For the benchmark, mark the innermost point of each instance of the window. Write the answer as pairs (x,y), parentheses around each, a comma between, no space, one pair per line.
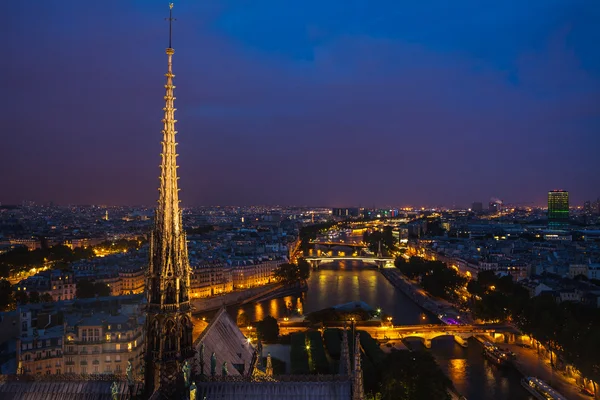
(84,370)
(117,347)
(118,368)
(108,337)
(108,369)
(117,358)
(58,371)
(107,358)
(96,369)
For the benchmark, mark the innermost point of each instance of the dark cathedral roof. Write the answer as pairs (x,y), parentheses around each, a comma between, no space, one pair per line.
(306,387)
(27,389)
(223,337)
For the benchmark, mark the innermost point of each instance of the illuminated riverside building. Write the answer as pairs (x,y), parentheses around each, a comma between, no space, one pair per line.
(210,279)
(102,343)
(77,343)
(132,280)
(247,274)
(558,207)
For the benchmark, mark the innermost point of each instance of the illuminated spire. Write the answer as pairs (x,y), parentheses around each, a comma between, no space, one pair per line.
(169,327)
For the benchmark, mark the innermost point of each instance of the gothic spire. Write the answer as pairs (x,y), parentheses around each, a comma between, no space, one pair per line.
(169,327)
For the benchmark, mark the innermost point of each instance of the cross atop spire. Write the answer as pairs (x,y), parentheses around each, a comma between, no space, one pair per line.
(170,19)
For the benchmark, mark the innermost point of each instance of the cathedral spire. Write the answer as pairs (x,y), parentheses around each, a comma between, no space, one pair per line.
(168,320)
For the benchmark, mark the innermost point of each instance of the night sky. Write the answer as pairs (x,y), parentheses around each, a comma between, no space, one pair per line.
(313,102)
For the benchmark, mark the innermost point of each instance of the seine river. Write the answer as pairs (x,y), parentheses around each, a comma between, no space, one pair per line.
(341,282)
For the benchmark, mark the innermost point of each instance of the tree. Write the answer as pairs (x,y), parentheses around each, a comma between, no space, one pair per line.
(21,297)
(46,298)
(34,297)
(413,376)
(290,274)
(7,300)
(268,329)
(243,320)
(385,237)
(303,269)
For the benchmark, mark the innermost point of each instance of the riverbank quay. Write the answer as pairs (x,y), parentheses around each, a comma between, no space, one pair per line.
(440,308)
(233,298)
(277,292)
(530,362)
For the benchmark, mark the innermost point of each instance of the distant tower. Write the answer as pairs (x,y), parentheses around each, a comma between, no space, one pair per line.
(106,215)
(558,207)
(168,320)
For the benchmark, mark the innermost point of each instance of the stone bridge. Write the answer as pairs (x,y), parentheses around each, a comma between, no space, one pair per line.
(460,333)
(379,262)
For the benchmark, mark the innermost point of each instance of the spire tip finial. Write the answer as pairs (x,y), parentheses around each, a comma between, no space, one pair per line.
(170,19)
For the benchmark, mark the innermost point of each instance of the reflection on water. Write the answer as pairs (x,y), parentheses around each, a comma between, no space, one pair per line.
(473,375)
(341,282)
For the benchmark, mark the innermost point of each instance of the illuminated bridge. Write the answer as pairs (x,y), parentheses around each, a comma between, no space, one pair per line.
(429,332)
(378,261)
(334,244)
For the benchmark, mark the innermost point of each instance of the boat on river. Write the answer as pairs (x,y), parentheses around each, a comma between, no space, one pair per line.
(496,355)
(540,389)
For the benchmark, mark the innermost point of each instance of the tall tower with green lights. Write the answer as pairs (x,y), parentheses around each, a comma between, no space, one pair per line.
(558,207)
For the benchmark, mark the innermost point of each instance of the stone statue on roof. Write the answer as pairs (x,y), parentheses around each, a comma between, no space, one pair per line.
(224,372)
(193,391)
(213,364)
(129,373)
(202,358)
(114,390)
(187,372)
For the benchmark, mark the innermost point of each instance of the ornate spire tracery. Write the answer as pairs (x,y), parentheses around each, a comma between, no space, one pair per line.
(169,327)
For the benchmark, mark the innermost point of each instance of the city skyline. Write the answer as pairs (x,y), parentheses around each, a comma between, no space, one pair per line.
(307,108)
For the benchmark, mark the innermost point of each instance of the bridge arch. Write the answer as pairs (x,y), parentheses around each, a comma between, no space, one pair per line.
(426,338)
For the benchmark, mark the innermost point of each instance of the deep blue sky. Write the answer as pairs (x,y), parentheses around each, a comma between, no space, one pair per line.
(314,102)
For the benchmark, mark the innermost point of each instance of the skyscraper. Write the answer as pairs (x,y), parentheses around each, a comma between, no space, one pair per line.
(168,324)
(558,207)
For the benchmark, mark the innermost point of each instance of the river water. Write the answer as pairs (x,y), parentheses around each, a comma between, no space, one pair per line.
(344,281)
